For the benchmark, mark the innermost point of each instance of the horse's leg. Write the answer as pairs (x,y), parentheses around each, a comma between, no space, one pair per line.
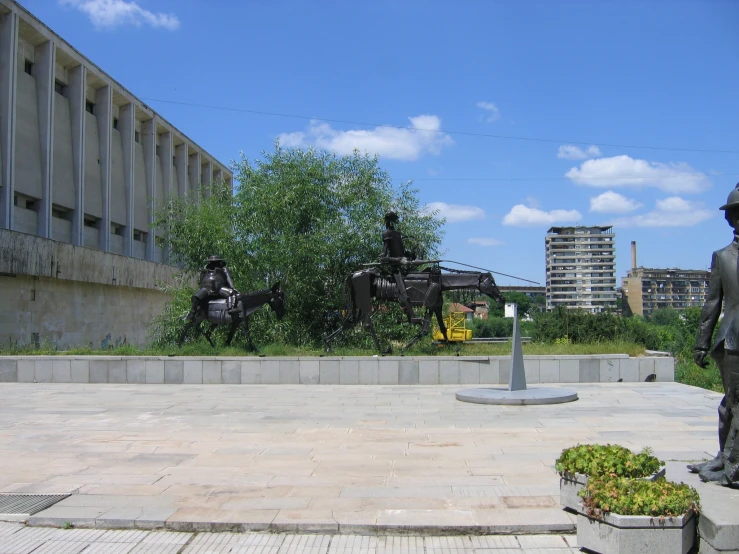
(367,322)
(193,323)
(423,332)
(358,298)
(348,322)
(247,331)
(208,334)
(232,331)
(440,317)
(184,332)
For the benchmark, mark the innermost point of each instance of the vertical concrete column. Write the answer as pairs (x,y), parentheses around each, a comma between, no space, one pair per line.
(76,91)
(206,179)
(217,175)
(8,84)
(149,141)
(166,153)
(104,115)
(44,73)
(181,161)
(127,123)
(194,174)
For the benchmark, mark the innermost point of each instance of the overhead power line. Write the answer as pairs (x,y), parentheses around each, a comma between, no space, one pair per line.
(461,133)
(636,180)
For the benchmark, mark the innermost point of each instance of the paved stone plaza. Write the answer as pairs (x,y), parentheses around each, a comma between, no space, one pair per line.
(328,459)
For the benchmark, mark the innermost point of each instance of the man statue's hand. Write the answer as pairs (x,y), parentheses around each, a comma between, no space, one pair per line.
(699,357)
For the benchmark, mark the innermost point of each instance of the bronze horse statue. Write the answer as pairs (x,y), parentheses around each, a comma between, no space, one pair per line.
(220,313)
(423,288)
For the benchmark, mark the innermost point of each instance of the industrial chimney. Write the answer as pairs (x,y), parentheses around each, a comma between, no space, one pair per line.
(633,254)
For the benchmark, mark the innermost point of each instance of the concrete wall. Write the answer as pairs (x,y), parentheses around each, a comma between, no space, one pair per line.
(363,370)
(22,254)
(73,295)
(74,313)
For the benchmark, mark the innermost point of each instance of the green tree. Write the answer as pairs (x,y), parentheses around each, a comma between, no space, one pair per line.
(515,297)
(665,316)
(304,218)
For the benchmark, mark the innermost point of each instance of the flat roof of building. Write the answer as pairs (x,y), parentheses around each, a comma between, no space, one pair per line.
(575,227)
(74,55)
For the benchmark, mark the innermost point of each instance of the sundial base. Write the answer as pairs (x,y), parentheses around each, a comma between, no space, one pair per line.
(525,397)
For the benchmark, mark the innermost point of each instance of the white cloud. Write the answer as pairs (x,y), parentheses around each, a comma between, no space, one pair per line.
(484,241)
(455,213)
(572,152)
(523,216)
(108,14)
(532,202)
(613,203)
(623,171)
(493,113)
(669,212)
(424,136)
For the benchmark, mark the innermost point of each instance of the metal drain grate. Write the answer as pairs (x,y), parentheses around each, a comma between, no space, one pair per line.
(27,504)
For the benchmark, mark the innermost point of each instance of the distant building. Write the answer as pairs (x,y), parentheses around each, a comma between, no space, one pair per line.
(649,289)
(456,308)
(480,308)
(580,268)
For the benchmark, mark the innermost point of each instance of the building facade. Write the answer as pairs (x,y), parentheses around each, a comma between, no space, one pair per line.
(581,268)
(648,289)
(83,162)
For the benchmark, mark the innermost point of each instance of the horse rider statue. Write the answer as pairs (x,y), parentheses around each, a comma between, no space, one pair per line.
(399,261)
(215,282)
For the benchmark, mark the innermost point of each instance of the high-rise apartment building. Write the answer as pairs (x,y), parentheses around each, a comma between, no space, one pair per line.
(648,289)
(581,268)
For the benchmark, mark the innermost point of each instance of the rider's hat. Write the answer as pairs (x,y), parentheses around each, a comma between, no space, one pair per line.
(212,260)
(392,216)
(733,200)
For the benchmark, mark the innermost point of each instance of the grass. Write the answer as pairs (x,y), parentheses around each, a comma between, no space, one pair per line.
(688,373)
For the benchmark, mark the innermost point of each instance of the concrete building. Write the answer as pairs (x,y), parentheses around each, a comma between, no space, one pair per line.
(648,289)
(83,162)
(581,268)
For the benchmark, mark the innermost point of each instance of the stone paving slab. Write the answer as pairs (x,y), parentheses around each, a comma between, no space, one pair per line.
(17,539)
(323,459)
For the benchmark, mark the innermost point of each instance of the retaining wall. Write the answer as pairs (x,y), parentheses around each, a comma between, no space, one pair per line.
(332,370)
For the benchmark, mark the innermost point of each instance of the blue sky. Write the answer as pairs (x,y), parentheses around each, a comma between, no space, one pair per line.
(583,75)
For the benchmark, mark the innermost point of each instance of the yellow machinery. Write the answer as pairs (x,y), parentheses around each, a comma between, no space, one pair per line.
(456,328)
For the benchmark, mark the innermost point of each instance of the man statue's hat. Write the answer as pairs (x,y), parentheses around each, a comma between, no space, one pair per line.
(733,200)
(212,259)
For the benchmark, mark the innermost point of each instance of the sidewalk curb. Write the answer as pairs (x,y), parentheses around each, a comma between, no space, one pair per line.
(303,528)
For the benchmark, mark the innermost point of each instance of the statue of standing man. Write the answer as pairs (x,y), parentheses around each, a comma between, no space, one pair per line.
(723,288)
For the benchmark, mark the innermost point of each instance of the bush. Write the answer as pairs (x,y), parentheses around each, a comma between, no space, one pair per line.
(639,497)
(596,460)
(492,327)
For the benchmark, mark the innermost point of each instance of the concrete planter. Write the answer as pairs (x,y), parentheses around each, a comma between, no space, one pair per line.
(570,485)
(617,534)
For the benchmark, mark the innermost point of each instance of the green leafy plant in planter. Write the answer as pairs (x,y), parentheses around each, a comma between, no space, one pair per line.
(638,497)
(625,516)
(613,460)
(578,463)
